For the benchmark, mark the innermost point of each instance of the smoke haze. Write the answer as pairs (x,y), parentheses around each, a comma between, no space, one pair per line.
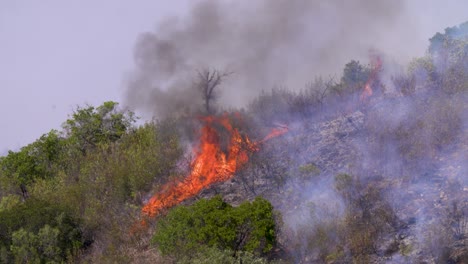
(62,55)
(264,44)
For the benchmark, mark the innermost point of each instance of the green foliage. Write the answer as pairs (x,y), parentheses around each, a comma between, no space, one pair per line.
(105,184)
(354,77)
(355,74)
(90,127)
(446,64)
(214,223)
(149,153)
(9,201)
(103,168)
(42,247)
(34,161)
(48,242)
(24,247)
(225,256)
(449,39)
(37,231)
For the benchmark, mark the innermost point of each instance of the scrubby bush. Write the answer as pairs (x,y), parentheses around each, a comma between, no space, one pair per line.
(368,217)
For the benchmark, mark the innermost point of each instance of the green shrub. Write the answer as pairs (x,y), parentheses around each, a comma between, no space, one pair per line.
(225,256)
(36,231)
(214,223)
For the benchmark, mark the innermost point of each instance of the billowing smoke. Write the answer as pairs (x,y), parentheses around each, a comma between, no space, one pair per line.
(262,44)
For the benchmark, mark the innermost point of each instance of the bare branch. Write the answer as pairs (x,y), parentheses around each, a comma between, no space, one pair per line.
(208,80)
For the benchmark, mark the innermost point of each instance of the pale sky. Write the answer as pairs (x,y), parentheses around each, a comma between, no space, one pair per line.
(58,54)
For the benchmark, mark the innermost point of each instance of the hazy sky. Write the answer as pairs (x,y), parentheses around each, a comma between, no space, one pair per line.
(58,54)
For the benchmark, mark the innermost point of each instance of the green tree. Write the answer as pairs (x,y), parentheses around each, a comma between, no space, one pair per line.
(214,223)
(354,77)
(24,247)
(32,162)
(43,247)
(48,243)
(9,201)
(90,126)
(450,37)
(449,52)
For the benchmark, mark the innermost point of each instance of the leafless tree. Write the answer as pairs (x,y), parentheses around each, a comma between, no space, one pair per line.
(207,83)
(320,89)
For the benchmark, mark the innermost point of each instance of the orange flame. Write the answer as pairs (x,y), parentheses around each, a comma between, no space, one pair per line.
(376,64)
(210,165)
(275,132)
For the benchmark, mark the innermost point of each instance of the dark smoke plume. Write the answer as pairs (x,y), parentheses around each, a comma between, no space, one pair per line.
(263,43)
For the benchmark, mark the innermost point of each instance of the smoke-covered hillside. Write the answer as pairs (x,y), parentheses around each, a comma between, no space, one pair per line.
(252,156)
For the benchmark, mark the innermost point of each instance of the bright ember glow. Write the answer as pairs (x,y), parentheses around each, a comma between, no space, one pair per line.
(210,165)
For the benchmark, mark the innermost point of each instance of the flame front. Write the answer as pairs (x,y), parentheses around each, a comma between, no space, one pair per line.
(210,165)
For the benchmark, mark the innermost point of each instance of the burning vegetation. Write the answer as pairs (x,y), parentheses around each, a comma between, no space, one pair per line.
(366,168)
(376,67)
(210,164)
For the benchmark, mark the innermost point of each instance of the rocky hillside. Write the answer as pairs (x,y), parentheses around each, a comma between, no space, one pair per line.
(313,153)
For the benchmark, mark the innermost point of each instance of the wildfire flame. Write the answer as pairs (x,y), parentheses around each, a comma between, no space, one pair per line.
(210,165)
(376,67)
